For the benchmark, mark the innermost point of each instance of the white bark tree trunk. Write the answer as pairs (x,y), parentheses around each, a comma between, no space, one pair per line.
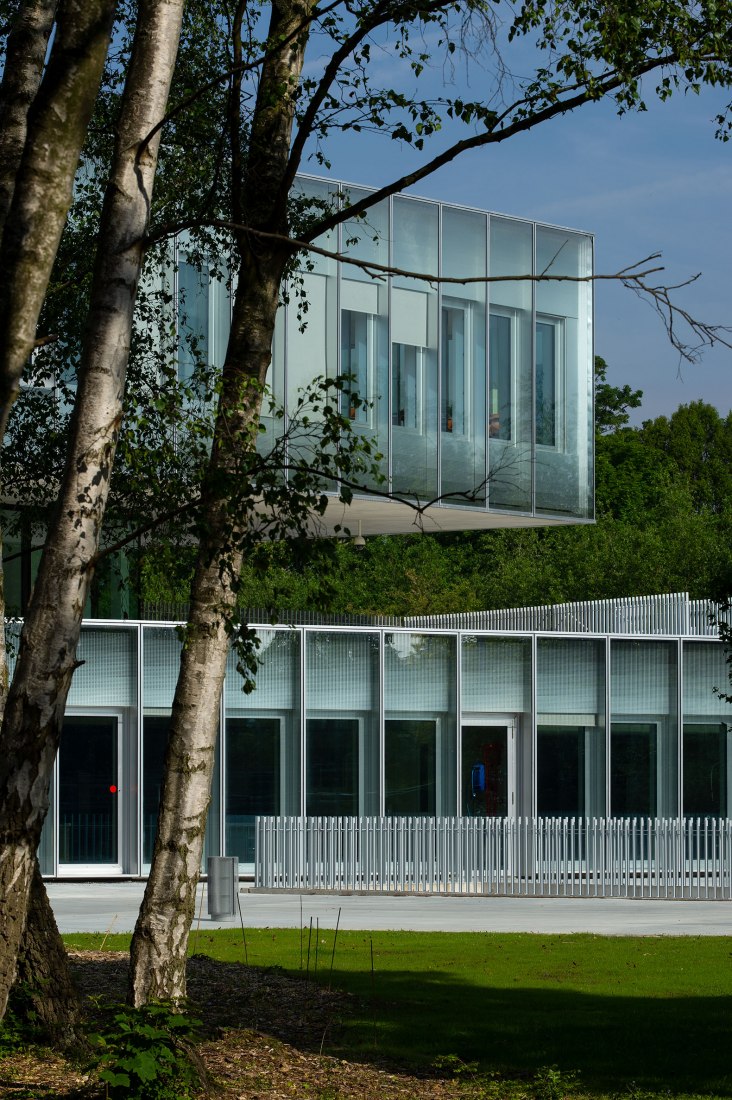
(24,58)
(57,124)
(158,952)
(46,661)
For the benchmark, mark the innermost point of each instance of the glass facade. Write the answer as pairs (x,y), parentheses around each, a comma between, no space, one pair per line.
(644,766)
(476,391)
(570,727)
(375,720)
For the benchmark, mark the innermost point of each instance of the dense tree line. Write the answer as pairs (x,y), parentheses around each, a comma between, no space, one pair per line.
(664,524)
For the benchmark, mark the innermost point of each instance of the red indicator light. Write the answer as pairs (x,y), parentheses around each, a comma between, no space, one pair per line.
(113,788)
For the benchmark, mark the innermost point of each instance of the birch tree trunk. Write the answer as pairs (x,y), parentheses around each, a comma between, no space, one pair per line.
(57,123)
(46,661)
(24,58)
(158,951)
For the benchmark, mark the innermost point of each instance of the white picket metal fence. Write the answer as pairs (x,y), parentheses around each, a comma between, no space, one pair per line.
(668,613)
(541,857)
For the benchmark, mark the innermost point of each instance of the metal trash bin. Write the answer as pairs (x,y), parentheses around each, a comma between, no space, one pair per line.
(222,887)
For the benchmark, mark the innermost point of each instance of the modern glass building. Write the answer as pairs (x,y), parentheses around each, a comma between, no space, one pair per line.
(478,389)
(400,719)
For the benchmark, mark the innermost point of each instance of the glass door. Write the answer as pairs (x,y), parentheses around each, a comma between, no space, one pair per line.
(488,770)
(89,794)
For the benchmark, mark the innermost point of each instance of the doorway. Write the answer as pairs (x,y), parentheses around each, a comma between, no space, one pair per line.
(488,770)
(89,770)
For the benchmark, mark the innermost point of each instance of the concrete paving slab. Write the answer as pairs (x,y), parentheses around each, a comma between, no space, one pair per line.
(112,907)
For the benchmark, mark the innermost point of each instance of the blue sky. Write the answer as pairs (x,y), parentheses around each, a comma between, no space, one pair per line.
(647,182)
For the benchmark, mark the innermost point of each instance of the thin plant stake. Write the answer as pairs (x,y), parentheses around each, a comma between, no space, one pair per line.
(335,937)
(198,926)
(373,991)
(301,930)
(310,936)
(243,933)
(317,938)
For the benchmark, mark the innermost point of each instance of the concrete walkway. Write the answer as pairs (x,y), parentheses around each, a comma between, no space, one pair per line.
(112,907)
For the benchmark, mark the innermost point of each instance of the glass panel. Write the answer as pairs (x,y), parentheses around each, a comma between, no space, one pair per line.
(500,412)
(633,776)
(707,740)
(311,321)
(706,782)
(364,322)
(343,703)
(547,411)
(154,741)
(357,352)
(411,767)
(463,361)
(496,674)
(570,701)
(485,771)
(107,675)
(274,705)
(510,390)
(414,351)
(88,791)
(564,375)
(332,766)
(253,780)
(193,326)
(420,687)
(560,771)
(644,739)
(406,386)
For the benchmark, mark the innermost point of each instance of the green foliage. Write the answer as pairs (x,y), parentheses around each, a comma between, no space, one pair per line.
(18,1028)
(612,402)
(552,1083)
(146,1054)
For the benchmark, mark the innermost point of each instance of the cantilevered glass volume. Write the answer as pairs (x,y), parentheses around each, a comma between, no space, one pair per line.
(476,385)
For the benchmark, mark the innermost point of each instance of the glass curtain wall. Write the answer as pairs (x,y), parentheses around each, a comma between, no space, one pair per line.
(203,310)
(414,327)
(563,404)
(707,733)
(160,660)
(570,737)
(510,413)
(342,726)
(364,342)
(420,749)
(311,324)
(495,680)
(97,757)
(262,746)
(644,733)
(462,358)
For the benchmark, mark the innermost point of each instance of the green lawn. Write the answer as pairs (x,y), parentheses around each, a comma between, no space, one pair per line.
(629,1014)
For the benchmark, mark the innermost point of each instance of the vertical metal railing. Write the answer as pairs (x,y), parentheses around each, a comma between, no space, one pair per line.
(544,857)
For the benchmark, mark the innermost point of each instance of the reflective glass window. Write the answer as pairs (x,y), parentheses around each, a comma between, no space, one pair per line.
(262,750)
(254,749)
(510,384)
(411,766)
(707,731)
(342,727)
(634,774)
(563,374)
(420,688)
(570,744)
(644,736)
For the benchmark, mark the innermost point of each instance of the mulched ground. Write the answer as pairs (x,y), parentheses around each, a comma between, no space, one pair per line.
(267,1037)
